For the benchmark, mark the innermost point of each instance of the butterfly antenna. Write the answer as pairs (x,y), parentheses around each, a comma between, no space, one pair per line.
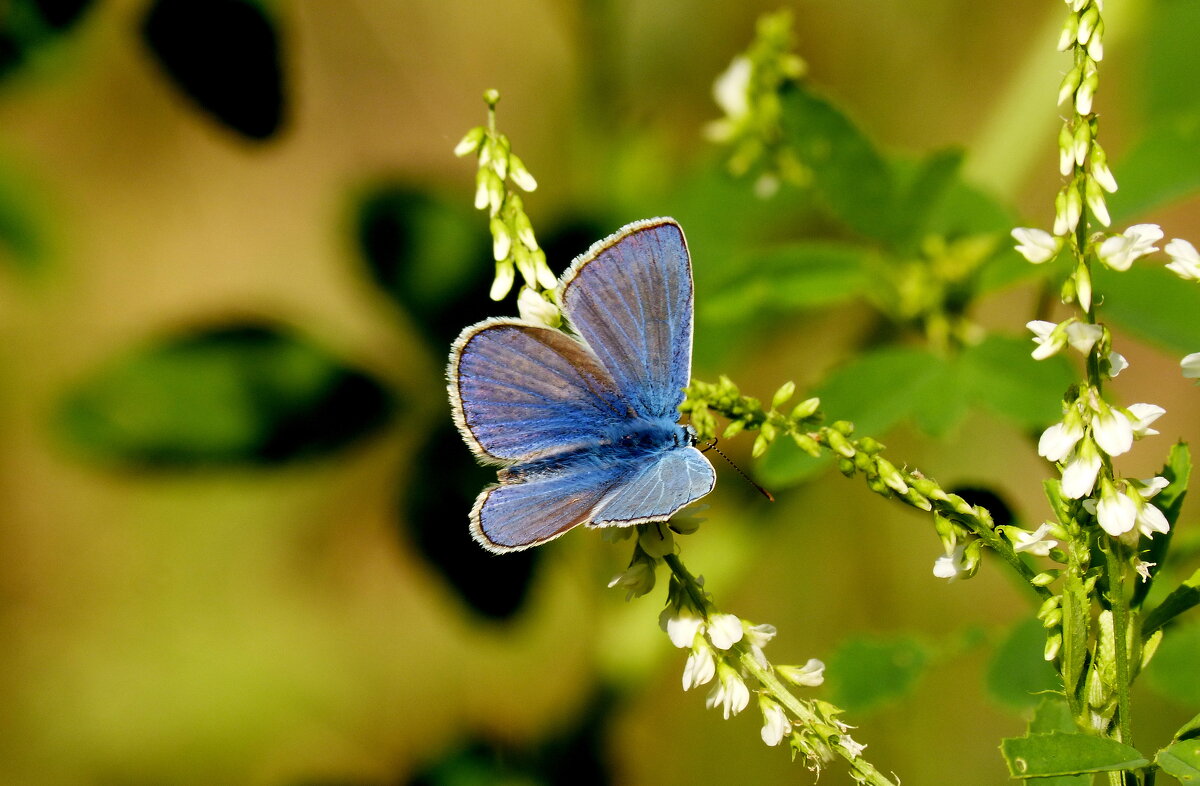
(712,445)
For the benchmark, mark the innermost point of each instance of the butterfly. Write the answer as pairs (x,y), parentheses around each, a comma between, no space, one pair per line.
(585,425)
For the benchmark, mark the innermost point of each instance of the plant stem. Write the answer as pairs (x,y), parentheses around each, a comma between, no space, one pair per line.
(1120,608)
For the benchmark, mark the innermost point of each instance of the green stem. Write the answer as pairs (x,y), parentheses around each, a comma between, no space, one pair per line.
(1120,608)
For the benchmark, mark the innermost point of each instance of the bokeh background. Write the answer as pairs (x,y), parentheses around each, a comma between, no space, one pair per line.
(236,247)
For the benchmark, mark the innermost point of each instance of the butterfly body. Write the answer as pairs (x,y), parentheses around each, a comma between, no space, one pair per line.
(585,426)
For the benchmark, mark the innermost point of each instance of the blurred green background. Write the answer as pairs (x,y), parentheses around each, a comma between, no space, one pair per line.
(236,246)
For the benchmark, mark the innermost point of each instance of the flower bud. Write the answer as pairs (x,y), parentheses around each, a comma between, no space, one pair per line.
(470,143)
(785,392)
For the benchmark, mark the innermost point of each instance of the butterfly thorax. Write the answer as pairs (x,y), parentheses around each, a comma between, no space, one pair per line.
(626,441)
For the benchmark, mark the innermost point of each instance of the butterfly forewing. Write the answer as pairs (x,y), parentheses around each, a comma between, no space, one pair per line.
(630,298)
(520,391)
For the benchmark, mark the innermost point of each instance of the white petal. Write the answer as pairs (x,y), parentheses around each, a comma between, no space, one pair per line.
(1185,261)
(1150,520)
(775,724)
(699,669)
(682,628)
(731,90)
(1144,415)
(1041,328)
(1079,476)
(724,630)
(1036,245)
(1083,336)
(949,565)
(1057,441)
(737,696)
(1113,431)
(1116,364)
(1191,366)
(1149,487)
(1116,513)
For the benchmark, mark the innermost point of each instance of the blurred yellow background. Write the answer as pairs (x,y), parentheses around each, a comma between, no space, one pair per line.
(268,620)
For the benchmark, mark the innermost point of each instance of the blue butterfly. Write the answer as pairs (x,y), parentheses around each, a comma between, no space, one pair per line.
(586,427)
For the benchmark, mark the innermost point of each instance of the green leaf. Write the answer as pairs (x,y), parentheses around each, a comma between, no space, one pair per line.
(867,673)
(785,279)
(1059,753)
(1173,673)
(1170,501)
(1160,168)
(1174,27)
(1018,676)
(922,194)
(1182,760)
(240,394)
(848,172)
(1189,730)
(1153,304)
(875,391)
(1182,598)
(1053,714)
(1001,375)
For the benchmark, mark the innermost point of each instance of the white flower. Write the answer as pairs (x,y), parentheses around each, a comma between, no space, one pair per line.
(1036,245)
(681,625)
(855,749)
(536,309)
(700,667)
(1119,251)
(1116,512)
(1116,364)
(1150,487)
(730,694)
(1103,175)
(1083,336)
(1036,542)
(950,564)
(1191,366)
(637,579)
(757,636)
(1112,430)
(1185,262)
(1143,569)
(1048,337)
(1150,519)
(1057,442)
(1079,475)
(776,724)
(724,630)
(810,675)
(731,90)
(1144,415)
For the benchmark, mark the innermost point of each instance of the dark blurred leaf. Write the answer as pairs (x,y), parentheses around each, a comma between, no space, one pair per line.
(241,394)
(1153,304)
(440,489)
(850,175)
(785,279)
(1189,730)
(1173,673)
(867,673)
(431,256)
(876,391)
(225,55)
(1018,674)
(1067,753)
(1000,374)
(28,25)
(21,241)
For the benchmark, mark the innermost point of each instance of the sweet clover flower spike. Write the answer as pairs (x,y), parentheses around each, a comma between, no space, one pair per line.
(514,246)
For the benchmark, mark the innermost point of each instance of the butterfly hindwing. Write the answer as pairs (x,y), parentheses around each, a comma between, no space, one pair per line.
(630,298)
(672,480)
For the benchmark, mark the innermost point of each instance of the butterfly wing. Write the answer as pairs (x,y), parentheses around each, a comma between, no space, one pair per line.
(520,391)
(512,516)
(630,298)
(674,479)
(594,489)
